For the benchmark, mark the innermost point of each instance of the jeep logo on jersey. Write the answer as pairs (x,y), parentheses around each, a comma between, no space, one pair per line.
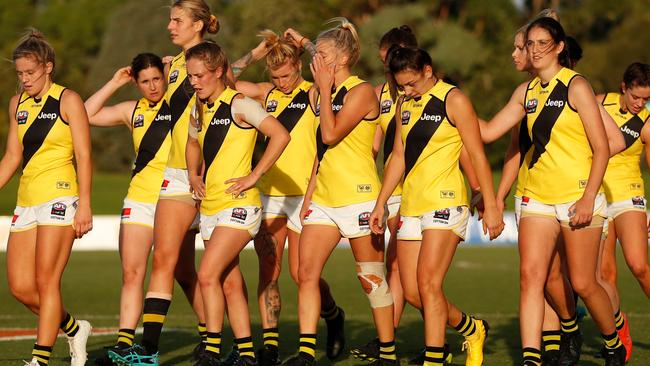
(627,130)
(297,106)
(431,117)
(554,103)
(406,116)
(21,117)
(364,219)
(317,113)
(173,76)
(220,121)
(163,117)
(385,105)
(271,106)
(337,107)
(531,106)
(139,121)
(50,116)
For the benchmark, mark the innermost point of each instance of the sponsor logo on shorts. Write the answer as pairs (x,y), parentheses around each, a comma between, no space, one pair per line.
(638,201)
(448,194)
(62,185)
(406,116)
(442,214)
(164,185)
(239,215)
(58,211)
(308,213)
(126,212)
(525,200)
(582,183)
(13,219)
(139,121)
(271,106)
(364,219)
(364,188)
(531,106)
(385,105)
(173,76)
(21,117)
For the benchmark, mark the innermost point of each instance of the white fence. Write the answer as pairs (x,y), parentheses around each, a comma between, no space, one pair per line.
(105,234)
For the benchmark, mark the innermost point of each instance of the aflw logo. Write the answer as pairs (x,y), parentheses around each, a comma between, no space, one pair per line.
(554,103)
(294,105)
(629,131)
(44,115)
(163,117)
(220,121)
(431,117)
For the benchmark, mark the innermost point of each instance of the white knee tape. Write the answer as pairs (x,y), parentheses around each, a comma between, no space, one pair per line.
(373,280)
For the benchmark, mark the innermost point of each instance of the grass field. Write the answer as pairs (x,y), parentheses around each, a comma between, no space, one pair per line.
(483,281)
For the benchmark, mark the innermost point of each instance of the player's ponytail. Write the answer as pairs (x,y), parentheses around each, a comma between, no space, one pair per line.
(33,44)
(280,50)
(345,38)
(199,11)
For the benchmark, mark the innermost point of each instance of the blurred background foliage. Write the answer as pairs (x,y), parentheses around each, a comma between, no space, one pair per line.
(470,41)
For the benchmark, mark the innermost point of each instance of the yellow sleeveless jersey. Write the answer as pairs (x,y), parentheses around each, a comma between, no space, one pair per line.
(290,174)
(180,97)
(347,173)
(622,179)
(227,153)
(432,176)
(559,165)
(387,122)
(525,148)
(151,124)
(46,140)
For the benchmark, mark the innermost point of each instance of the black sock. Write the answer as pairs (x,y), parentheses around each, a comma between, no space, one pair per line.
(69,325)
(271,337)
(308,346)
(42,354)
(125,337)
(245,347)
(155,311)
(213,344)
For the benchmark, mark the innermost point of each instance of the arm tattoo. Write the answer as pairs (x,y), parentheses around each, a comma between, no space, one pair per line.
(240,65)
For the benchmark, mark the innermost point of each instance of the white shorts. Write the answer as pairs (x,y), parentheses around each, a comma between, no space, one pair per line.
(176,183)
(139,213)
(57,212)
(246,218)
(452,218)
(283,206)
(637,203)
(531,207)
(394,202)
(353,221)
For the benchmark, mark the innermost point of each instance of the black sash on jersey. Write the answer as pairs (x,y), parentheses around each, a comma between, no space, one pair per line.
(422,132)
(178,101)
(153,139)
(389,139)
(321,147)
(631,130)
(525,143)
(289,117)
(546,120)
(215,135)
(40,128)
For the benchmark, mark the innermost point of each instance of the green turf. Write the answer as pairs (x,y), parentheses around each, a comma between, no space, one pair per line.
(482,281)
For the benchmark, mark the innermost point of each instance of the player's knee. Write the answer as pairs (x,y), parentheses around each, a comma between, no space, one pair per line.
(531,277)
(28,295)
(207,278)
(373,281)
(133,276)
(308,275)
(584,285)
(164,261)
(639,268)
(608,273)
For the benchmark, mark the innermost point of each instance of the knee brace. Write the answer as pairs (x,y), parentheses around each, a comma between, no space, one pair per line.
(373,280)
